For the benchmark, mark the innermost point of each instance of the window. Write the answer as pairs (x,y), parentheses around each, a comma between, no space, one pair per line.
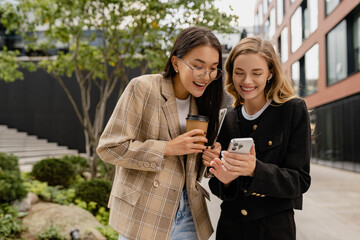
(265,6)
(295,75)
(296,35)
(330,5)
(312,70)
(284,45)
(256,23)
(272,24)
(305,73)
(305,18)
(342,45)
(356,41)
(311,17)
(279,11)
(336,56)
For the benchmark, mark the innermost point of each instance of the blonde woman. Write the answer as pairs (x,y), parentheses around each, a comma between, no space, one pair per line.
(260,189)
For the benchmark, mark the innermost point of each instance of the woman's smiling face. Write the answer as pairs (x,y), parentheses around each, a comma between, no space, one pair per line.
(250,74)
(202,58)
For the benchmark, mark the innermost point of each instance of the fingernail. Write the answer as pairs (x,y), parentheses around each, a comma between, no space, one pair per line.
(224,168)
(222,153)
(213,146)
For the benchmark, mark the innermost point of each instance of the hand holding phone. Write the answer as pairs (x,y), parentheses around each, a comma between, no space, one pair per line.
(240,145)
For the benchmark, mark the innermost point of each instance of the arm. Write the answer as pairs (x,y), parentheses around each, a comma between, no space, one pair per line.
(287,176)
(125,140)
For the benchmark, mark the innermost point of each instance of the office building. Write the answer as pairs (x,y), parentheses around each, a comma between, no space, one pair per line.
(318,43)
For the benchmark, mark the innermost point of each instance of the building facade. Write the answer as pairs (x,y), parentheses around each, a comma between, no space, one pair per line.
(318,43)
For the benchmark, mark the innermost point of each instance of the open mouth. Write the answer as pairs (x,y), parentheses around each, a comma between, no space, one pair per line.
(199,84)
(248,88)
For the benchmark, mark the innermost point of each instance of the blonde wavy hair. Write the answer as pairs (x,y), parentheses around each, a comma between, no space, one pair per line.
(279,88)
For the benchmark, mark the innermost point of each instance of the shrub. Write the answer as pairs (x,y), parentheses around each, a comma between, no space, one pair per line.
(79,163)
(54,171)
(11,184)
(10,224)
(95,190)
(51,233)
(9,162)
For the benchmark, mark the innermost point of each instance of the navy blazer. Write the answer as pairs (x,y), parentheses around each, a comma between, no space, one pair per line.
(282,174)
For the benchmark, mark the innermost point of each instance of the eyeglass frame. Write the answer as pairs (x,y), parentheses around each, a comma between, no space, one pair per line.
(218,76)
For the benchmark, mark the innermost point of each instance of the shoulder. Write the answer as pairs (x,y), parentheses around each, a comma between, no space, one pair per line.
(295,104)
(146,80)
(145,84)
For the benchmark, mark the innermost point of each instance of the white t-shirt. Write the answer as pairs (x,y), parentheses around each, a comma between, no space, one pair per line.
(183,106)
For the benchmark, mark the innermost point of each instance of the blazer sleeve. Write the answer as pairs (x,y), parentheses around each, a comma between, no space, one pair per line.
(130,138)
(289,176)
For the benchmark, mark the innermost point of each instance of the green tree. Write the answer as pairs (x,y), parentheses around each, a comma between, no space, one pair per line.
(132,33)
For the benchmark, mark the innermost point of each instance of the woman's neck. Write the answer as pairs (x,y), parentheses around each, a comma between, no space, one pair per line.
(252,107)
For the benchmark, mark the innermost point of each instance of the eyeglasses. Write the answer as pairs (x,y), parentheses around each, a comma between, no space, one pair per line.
(199,72)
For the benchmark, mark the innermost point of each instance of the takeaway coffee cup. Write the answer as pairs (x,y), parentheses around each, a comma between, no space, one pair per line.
(197,122)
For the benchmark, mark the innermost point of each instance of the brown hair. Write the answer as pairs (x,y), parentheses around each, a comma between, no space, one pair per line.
(279,88)
(210,102)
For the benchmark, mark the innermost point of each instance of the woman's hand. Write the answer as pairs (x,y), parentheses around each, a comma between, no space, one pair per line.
(186,143)
(211,153)
(241,164)
(233,165)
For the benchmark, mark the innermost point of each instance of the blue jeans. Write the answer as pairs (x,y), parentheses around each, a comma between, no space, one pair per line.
(183,227)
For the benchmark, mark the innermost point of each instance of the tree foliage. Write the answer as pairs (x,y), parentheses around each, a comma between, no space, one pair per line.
(106,38)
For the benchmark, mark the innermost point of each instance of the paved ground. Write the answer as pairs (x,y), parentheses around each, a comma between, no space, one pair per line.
(331,209)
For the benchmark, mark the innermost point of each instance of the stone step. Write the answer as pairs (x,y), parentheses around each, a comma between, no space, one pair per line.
(22,140)
(16,149)
(25,168)
(40,142)
(32,160)
(45,153)
(28,148)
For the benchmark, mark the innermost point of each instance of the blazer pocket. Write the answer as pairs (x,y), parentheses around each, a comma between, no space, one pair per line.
(269,142)
(127,194)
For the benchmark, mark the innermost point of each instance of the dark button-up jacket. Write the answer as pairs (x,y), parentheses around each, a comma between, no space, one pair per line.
(283,149)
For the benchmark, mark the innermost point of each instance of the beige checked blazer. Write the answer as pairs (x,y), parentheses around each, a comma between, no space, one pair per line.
(147,186)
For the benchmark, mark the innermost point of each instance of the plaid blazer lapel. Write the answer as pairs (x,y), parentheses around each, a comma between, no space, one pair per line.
(170,108)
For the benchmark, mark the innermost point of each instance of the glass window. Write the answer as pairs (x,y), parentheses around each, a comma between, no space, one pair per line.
(312,70)
(266,27)
(356,30)
(336,56)
(272,23)
(284,45)
(313,16)
(260,15)
(296,35)
(279,11)
(265,6)
(256,23)
(295,75)
(330,5)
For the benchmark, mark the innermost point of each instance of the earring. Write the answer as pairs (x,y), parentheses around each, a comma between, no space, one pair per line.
(269,77)
(176,71)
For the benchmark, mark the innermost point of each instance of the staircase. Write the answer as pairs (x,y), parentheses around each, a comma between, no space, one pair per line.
(29,149)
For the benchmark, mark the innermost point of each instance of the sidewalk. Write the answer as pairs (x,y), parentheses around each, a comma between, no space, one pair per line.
(331,208)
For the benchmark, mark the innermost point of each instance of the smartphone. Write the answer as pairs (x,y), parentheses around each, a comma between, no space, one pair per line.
(240,145)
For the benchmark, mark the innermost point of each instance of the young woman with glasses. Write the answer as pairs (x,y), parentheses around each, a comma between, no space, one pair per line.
(155,194)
